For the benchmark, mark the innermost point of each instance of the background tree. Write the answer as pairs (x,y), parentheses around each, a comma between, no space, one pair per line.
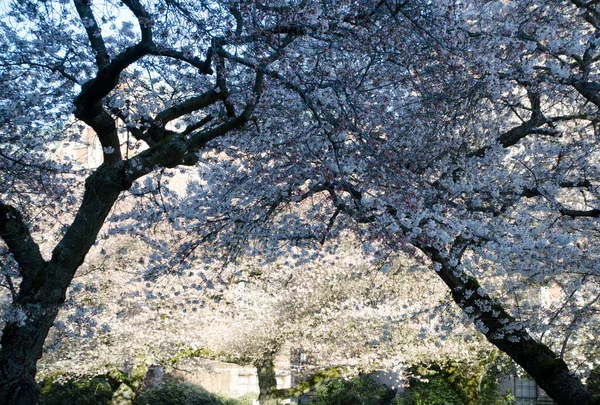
(345,316)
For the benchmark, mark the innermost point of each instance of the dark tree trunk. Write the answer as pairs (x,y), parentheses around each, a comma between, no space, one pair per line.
(267,383)
(44,284)
(21,348)
(502,330)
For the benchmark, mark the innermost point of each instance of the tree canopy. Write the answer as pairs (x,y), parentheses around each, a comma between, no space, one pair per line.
(462,133)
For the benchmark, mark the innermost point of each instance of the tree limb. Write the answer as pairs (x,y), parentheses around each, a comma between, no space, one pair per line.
(188,106)
(17,237)
(514,135)
(503,331)
(144,19)
(93,32)
(589,90)
(594,213)
(202,65)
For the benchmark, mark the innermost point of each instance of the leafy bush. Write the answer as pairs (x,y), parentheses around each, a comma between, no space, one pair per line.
(93,391)
(455,384)
(361,390)
(437,391)
(247,399)
(175,392)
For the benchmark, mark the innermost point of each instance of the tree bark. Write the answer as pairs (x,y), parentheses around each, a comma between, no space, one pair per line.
(267,383)
(43,287)
(502,330)
(44,283)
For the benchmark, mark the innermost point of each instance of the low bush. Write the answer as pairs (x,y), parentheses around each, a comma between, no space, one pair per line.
(361,390)
(436,391)
(93,391)
(97,391)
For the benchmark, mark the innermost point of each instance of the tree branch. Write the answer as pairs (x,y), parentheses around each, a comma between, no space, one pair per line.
(199,140)
(535,192)
(202,65)
(107,79)
(93,32)
(514,135)
(594,213)
(177,147)
(144,19)
(503,331)
(188,106)
(17,237)
(589,90)
(102,189)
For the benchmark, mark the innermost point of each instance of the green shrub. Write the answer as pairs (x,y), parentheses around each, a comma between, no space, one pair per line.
(93,391)
(246,399)
(175,392)
(361,390)
(437,391)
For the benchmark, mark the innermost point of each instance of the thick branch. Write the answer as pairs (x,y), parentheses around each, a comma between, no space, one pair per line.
(594,213)
(107,79)
(188,106)
(101,191)
(106,129)
(222,85)
(144,19)
(177,147)
(535,192)
(202,65)
(514,135)
(199,140)
(589,90)
(15,234)
(503,331)
(93,32)
(88,106)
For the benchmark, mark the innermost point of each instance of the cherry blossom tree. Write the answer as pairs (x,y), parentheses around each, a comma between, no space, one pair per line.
(347,313)
(465,131)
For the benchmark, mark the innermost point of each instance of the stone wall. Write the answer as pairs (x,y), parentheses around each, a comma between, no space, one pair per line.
(226,378)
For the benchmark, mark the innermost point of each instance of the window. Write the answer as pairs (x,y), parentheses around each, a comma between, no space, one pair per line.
(525,392)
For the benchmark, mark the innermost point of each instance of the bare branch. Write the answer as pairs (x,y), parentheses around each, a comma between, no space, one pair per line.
(589,90)
(514,135)
(178,148)
(199,140)
(239,21)
(202,65)
(191,128)
(222,84)
(534,192)
(594,213)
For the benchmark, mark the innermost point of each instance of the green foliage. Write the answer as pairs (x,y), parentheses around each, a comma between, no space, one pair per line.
(456,383)
(489,393)
(175,392)
(247,399)
(593,382)
(93,391)
(437,391)
(361,390)
(97,391)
